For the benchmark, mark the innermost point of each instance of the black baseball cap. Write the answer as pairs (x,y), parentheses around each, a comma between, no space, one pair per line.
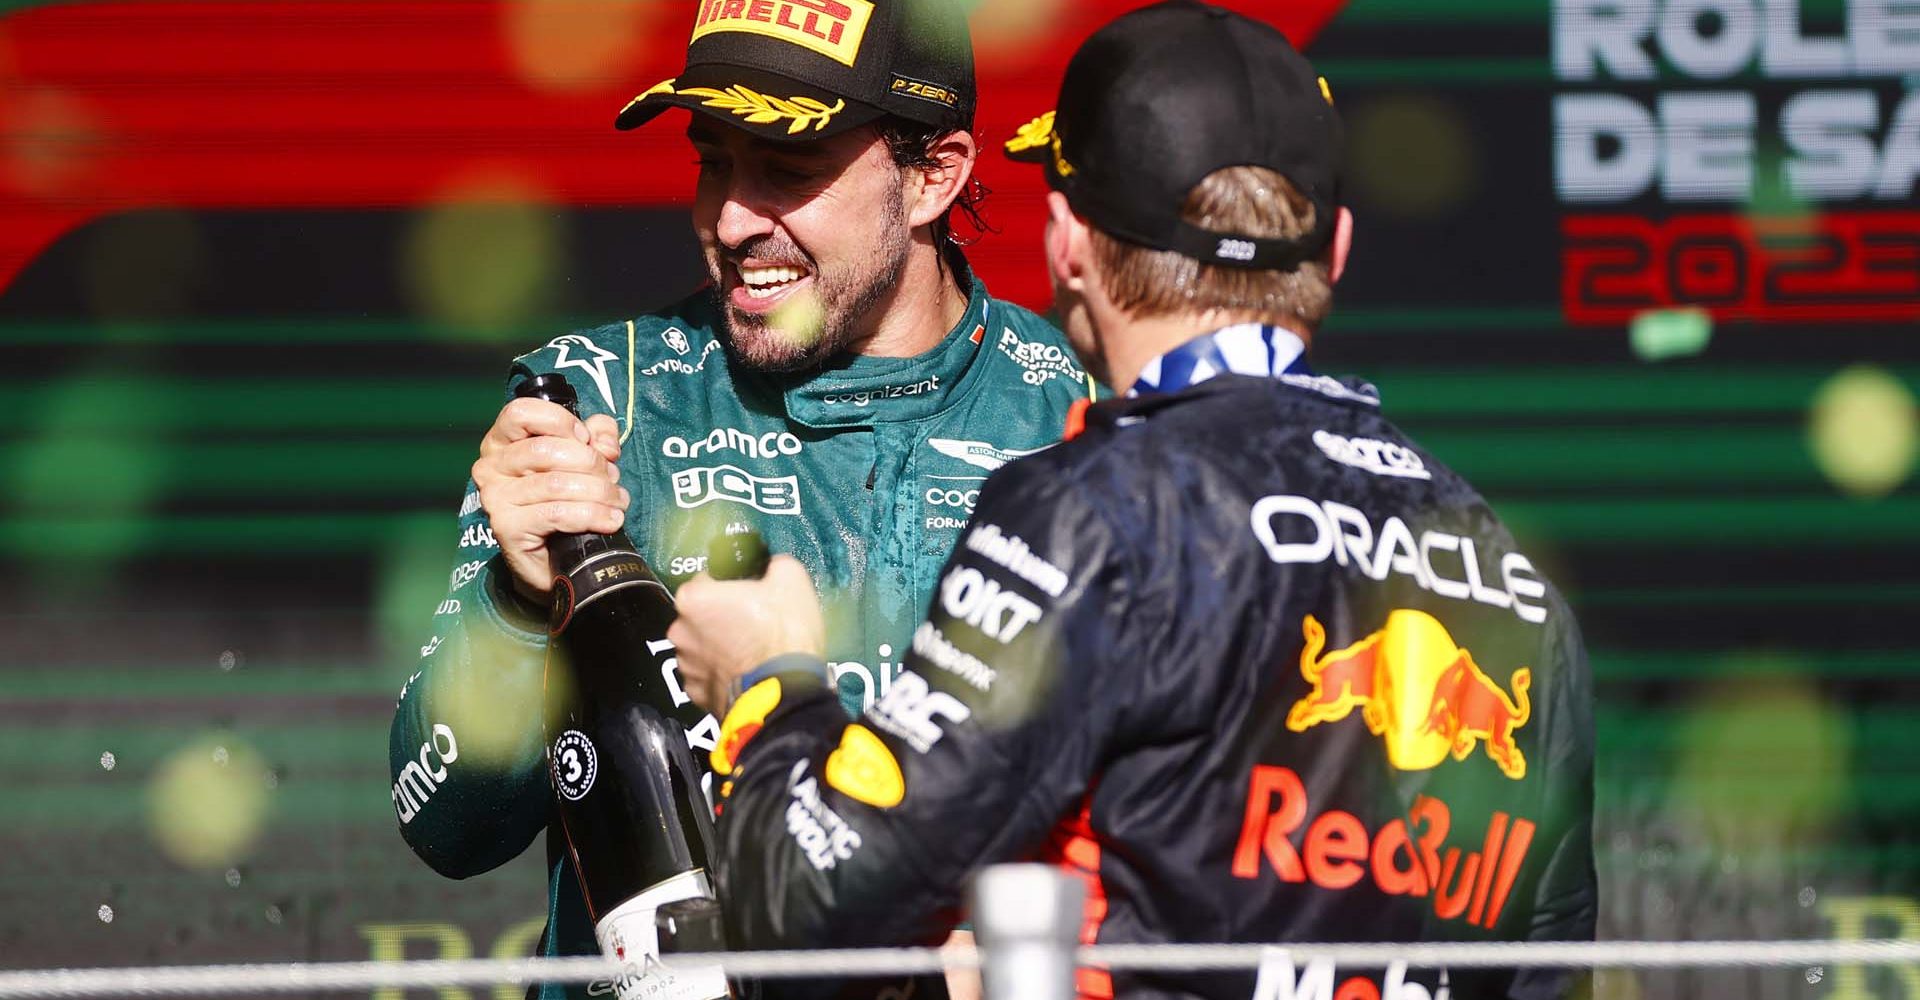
(1163,96)
(807,69)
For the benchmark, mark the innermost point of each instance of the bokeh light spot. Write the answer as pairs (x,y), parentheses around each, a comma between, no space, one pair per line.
(799,320)
(1660,334)
(413,581)
(208,803)
(1413,155)
(1616,984)
(1762,760)
(576,45)
(484,260)
(50,142)
(73,472)
(1004,29)
(489,725)
(86,453)
(1771,194)
(1864,432)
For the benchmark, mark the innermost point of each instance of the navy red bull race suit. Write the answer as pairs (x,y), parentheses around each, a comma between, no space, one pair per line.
(1242,656)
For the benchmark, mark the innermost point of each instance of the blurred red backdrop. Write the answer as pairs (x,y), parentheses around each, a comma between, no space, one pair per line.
(116,107)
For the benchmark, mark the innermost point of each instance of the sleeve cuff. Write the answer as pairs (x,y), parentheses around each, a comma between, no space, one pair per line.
(760,692)
(791,666)
(503,604)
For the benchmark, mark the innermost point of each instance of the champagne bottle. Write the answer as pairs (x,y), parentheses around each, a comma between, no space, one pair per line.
(625,784)
(738,554)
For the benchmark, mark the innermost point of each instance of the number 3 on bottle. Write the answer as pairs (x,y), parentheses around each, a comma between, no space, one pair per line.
(575,764)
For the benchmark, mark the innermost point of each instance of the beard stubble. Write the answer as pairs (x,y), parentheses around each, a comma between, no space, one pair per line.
(845,298)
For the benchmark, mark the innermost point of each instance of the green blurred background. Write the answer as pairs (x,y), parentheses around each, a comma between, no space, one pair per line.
(236,439)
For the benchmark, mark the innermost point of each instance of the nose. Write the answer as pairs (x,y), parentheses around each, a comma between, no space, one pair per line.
(743,216)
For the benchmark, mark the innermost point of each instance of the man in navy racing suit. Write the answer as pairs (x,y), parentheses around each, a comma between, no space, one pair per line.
(1251,662)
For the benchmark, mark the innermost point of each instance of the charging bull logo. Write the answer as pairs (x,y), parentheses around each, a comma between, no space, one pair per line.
(743,722)
(1418,690)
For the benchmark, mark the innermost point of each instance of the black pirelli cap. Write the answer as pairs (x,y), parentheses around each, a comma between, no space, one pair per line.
(1165,95)
(806,69)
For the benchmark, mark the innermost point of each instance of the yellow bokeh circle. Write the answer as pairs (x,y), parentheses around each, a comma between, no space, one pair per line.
(1864,431)
(208,802)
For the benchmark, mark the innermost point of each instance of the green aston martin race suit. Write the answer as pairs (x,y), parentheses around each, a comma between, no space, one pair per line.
(865,471)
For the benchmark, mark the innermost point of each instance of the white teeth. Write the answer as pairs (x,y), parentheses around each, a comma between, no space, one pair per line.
(766,277)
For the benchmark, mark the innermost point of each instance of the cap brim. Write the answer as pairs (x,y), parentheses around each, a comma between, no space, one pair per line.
(768,105)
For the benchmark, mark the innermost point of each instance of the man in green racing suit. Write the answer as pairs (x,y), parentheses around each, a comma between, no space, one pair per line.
(845,385)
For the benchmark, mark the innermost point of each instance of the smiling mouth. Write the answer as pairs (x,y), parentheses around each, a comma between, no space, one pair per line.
(767,282)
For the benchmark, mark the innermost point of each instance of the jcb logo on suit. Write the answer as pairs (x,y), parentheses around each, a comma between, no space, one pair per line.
(771,494)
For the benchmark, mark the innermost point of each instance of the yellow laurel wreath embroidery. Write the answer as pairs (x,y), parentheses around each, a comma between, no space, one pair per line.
(1032,135)
(1038,134)
(663,87)
(763,109)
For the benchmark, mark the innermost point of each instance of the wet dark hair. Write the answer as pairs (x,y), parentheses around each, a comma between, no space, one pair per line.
(912,144)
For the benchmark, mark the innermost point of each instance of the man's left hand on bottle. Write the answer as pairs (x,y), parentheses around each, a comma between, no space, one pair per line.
(726,628)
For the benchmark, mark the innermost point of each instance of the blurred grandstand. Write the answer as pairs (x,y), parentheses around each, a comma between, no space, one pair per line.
(262,265)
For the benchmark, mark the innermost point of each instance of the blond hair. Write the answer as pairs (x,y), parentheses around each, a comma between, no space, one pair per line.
(1243,201)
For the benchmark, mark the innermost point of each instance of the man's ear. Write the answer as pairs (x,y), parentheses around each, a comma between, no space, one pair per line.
(937,186)
(1068,248)
(1342,243)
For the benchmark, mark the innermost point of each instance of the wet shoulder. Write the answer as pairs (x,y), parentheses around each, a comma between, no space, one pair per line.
(1034,352)
(682,339)
(619,366)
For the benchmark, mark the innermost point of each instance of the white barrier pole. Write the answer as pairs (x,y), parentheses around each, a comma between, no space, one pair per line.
(1027,918)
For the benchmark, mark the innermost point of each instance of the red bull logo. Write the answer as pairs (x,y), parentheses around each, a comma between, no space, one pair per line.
(743,722)
(1418,690)
(1411,855)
